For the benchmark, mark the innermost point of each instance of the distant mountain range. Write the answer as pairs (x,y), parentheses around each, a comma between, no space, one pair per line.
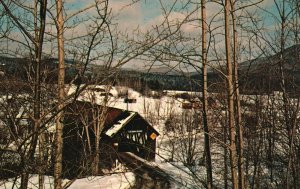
(264,74)
(261,75)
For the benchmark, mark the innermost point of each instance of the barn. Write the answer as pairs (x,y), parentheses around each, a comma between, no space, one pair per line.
(117,130)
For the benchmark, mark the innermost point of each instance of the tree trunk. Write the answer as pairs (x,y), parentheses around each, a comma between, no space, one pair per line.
(225,156)
(287,120)
(204,93)
(238,105)
(24,179)
(61,96)
(40,38)
(230,93)
(99,119)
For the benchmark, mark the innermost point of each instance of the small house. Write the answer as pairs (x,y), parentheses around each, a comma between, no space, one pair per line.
(119,131)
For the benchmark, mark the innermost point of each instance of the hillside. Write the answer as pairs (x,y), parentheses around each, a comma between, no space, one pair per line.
(259,75)
(264,75)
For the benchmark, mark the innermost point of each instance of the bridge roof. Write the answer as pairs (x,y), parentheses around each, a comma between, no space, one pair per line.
(119,125)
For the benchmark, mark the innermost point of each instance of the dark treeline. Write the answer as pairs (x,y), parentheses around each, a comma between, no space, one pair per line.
(258,76)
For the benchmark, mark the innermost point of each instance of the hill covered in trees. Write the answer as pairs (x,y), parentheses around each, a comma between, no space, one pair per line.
(261,75)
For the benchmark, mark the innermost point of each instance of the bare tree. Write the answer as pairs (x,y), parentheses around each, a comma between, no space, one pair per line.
(37,41)
(204,96)
(237,99)
(230,93)
(61,96)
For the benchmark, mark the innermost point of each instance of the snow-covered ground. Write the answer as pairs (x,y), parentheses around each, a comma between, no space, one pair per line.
(156,111)
(170,145)
(114,181)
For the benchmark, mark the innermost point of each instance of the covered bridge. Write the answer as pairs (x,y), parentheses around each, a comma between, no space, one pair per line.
(119,131)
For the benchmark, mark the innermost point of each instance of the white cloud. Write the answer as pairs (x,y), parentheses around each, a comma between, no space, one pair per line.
(127,15)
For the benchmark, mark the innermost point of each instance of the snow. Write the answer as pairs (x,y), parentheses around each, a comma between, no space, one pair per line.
(120,181)
(113,181)
(149,107)
(156,111)
(180,176)
(116,127)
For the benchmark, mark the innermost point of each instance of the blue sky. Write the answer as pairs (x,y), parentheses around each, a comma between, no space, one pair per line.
(147,13)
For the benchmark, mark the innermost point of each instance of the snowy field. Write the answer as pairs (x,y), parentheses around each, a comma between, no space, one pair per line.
(108,182)
(155,111)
